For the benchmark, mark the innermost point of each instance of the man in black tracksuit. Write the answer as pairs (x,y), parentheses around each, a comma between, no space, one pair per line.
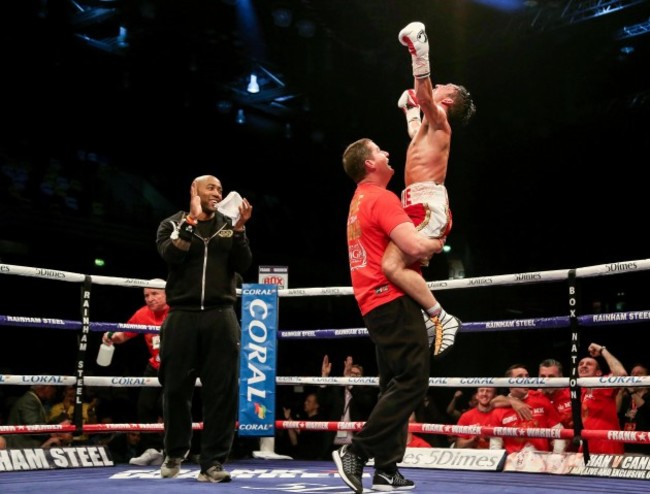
(203,249)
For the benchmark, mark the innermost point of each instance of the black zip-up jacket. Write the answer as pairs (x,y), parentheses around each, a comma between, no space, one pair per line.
(203,277)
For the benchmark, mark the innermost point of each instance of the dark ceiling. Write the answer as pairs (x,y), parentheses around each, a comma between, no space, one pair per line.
(547,176)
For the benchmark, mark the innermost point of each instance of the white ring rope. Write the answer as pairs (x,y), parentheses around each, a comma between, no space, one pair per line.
(439,382)
(532,277)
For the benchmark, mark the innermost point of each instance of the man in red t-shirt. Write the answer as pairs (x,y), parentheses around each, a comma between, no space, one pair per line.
(560,397)
(543,415)
(480,415)
(394,320)
(153,313)
(413,440)
(599,404)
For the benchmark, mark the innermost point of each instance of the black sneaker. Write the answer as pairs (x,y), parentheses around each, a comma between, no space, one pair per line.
(350,467)
(442,333)
(384,481)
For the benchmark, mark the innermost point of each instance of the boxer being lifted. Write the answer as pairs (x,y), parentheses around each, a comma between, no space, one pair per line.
(425,196)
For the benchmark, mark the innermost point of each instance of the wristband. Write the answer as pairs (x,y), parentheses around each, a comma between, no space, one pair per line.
(191,221)
(186,232)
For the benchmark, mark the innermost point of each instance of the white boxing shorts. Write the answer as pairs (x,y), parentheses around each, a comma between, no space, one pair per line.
(427,204)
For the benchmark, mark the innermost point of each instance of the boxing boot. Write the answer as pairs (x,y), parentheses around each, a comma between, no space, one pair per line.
(441,331)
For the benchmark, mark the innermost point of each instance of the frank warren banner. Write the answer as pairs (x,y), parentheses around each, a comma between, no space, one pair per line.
(257,362)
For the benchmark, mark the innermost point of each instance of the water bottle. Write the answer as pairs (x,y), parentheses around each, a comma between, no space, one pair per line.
(105,354)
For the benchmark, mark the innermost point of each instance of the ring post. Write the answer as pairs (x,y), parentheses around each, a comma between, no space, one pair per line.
(81,355)
(257,373)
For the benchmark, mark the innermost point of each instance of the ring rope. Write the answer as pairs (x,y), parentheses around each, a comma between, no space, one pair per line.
(444,429)
(532,277)
(588,320)
(86,428)
(440,382)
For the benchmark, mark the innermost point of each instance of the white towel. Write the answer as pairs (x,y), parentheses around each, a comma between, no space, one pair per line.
(230,206)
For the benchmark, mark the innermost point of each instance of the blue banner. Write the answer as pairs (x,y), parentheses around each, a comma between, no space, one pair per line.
(259,324)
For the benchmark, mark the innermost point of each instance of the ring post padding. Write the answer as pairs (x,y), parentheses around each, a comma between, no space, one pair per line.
(574,388)
(81,354)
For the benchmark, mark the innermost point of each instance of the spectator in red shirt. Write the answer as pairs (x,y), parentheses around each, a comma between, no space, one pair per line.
(560,397)
(543,415)
(480,415)
(413,440)
(599,404)
(153,313)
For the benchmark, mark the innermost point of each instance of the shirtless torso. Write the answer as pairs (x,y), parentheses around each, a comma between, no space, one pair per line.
(428,153)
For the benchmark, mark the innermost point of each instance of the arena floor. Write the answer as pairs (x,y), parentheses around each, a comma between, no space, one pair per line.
(317,477)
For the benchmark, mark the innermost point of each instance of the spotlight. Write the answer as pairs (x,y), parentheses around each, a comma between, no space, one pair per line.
(241,118)
(122,38)
(253,86)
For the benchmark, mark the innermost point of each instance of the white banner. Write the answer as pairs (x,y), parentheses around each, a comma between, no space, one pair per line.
(453,459)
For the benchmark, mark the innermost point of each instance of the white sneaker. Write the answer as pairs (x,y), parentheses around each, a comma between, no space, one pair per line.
(157,458)
(149,457)
(171,467)
(215,473)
